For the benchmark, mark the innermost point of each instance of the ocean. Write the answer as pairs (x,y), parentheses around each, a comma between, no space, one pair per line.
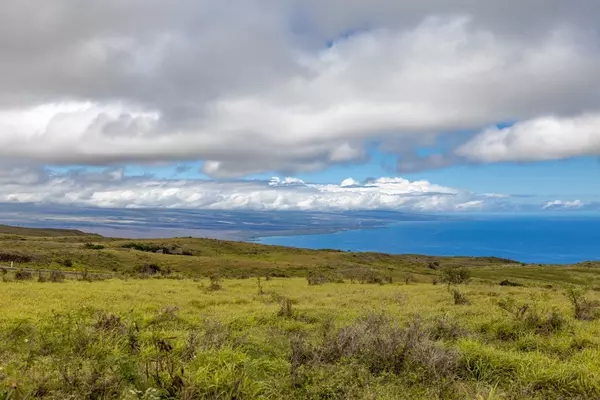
(532,239)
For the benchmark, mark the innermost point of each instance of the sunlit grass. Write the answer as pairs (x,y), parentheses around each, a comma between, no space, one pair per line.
(178,339)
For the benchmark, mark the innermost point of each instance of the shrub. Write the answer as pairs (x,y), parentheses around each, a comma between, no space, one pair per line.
(41,277)
(67,262)
(368,276)
(15,257)
(315,279)
(286,309)
(445,329)
(150,248)
(216,335)
(110,323)
(160,249)
(57,276)
(92,246)
(86,276)
(517,311)
(460,298)
(381,346)
(584,309)
(259,286)
(320,278)
(148,269)
(215,283)
(23,275)
(433,265)
(455,275)
(506,282)
(527,319)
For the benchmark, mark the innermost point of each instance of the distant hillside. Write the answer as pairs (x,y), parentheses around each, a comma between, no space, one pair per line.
(41,232)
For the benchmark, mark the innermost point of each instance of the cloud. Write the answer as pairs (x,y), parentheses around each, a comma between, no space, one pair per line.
(287,86)
(288,181)
(473,204)
(561,204)
(547,138)
(112,188)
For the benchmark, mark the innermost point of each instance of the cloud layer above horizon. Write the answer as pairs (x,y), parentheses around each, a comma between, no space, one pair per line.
(291,86)
(113,188)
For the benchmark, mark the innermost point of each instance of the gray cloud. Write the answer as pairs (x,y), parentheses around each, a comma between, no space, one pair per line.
(250,86)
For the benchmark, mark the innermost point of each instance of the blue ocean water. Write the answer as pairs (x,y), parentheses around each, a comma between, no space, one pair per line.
(548,240)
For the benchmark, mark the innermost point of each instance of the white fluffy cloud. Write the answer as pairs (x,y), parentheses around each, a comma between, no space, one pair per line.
(113,189)
(254,86)
(548,138)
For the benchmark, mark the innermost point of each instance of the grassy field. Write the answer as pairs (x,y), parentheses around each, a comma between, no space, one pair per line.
(204,319)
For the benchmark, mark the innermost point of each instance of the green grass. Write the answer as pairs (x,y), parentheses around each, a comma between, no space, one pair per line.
(223,320)
(168,338)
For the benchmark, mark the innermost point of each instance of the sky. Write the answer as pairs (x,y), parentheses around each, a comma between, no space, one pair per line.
(424,106)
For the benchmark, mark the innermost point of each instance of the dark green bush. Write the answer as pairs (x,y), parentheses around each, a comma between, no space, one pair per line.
(433,265)
(151,269)
(23,275)
(92,246)
(455,275)
(15,257)
(506,282)
(154,248)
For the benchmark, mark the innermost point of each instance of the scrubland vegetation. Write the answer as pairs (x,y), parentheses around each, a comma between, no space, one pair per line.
(243,321)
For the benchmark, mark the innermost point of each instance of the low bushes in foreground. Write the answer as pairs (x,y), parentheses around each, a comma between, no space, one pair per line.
(583,308)
(527,319)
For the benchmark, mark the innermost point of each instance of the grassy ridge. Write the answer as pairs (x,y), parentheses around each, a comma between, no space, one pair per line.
(205,257)
(45,232)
